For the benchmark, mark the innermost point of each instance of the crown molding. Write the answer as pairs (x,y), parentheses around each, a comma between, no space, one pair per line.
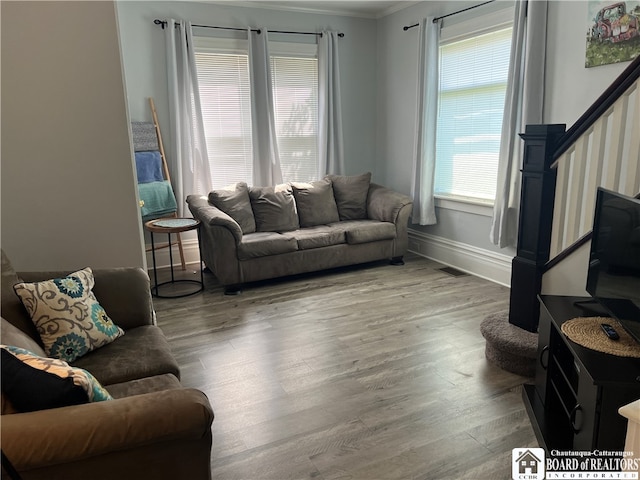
(299,6)
(396,8)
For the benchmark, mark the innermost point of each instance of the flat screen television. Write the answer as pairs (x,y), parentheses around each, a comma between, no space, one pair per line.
(613,278)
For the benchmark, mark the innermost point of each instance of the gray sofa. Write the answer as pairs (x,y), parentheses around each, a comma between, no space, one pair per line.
(255,233)
(153,428)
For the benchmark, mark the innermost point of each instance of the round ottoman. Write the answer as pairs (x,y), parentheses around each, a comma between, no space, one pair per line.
(509,347)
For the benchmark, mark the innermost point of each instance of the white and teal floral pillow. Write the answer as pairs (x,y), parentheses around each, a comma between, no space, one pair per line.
(69,319)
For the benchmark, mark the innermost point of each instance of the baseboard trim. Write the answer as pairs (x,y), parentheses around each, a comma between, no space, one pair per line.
(189,247)
(486,264)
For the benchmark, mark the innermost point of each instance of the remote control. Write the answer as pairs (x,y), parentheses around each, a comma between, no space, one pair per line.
(610,331)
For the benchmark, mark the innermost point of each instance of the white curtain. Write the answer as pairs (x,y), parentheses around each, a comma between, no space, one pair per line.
(189,161)
(330,141)
(266,158)
(523,106)
(424,152)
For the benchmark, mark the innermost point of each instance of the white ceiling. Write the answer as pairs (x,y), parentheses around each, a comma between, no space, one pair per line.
(357,8)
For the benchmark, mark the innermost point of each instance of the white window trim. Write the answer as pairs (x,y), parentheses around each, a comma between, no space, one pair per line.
(236,46)
(287,49)
(462,204)
(477,25)
(240,46)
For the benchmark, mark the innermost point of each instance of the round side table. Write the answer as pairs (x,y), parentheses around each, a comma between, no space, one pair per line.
(169,226)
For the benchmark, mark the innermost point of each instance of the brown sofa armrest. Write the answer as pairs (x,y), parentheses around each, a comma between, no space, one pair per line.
(123,292)
(384,204)
(49,438)
(212,216)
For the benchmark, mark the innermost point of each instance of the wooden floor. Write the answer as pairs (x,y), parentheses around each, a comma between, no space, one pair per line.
(374,372)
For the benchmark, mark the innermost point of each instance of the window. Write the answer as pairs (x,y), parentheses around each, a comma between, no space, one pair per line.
(295,99)
(473,82)
(223,76)
(223,80)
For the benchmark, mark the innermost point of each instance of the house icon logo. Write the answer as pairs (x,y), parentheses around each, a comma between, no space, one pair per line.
(527,464)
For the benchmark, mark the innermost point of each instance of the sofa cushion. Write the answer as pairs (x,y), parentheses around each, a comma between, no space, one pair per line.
(274,208)
(350,193)
(35,383)
(315,203)
(69,319)
(316,237)
(157,383)
(12,309)
(142,352)
(262,244)
(12,335)
(364,231)
(234,201)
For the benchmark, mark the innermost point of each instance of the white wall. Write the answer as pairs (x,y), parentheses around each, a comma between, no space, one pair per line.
(569,277)
(68,189)
(465,233)
(145,62)
(62,96)
(570,90)
(570,87)
(397,86)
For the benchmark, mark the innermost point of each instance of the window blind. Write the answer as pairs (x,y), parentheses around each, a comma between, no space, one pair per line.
(473,83)
(295,98)
(226,110)
(223,76)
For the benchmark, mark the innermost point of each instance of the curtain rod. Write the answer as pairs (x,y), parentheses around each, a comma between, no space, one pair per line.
(163,23)
(407,27)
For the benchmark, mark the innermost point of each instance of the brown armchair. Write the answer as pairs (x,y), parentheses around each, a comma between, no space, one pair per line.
(153,428)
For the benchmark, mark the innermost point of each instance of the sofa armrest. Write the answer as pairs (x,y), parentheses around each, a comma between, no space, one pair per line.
(209,215)
(124,293)
(50,438)
(384,204)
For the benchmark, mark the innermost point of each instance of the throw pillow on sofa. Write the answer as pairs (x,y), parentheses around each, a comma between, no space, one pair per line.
(351,195)
(67,315)
(234,201)
(274,208)
(315,203)
(35,383)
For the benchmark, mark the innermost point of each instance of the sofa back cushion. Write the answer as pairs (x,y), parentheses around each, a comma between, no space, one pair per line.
(11,307)
(12,335)
(234,201)
(315,203)
(274,208)
(351,195)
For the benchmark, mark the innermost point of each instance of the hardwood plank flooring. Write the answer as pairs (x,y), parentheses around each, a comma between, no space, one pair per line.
(370,372)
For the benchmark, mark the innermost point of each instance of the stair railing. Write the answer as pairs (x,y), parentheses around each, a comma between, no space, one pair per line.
(560,175)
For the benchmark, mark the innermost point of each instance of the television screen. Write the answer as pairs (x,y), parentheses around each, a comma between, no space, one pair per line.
(613,279)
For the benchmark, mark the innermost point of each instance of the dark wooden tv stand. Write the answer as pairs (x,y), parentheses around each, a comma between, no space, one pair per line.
(574,402)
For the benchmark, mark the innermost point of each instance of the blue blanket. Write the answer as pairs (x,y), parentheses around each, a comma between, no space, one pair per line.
(159,200)
(149,167)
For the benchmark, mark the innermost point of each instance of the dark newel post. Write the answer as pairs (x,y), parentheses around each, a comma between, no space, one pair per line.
(534,223)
